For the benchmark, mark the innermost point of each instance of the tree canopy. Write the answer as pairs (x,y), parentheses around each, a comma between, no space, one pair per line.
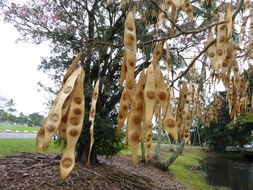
(198,45)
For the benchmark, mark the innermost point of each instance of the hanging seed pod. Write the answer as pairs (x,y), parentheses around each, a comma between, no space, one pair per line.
(221,43)
(229,21)
(130,53)
(187,8)
(149,100)
(72,67)
(178,3)
(63,126)
(74,127)
(168,58)
(149,93)
(54,119)
(40,138)
(180,110)
(127,126)
(123,109)
(123,71)
(173,18)
(92,116)
(65,110)
(188,125)
(169,123)
(134,131)
(211,52)
(165,8)
(247,4)
(162,94)
(136,117)
(157,52)
(41,134)
(148,143)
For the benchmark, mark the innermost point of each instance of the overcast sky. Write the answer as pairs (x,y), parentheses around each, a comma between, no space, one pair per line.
(18,71)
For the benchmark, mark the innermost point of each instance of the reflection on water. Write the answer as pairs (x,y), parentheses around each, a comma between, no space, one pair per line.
(233,174)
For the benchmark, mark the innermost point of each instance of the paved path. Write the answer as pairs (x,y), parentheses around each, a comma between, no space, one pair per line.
(17,135)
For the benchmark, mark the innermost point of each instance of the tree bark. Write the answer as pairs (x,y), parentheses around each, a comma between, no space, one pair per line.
(158,146)
(179,150)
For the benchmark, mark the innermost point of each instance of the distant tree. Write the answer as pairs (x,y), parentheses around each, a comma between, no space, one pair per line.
(35,119)
(22,119)
(217,135)
(241,131)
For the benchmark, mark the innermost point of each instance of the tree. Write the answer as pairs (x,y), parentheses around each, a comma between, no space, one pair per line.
(96,28)
(241,130)
(35,119)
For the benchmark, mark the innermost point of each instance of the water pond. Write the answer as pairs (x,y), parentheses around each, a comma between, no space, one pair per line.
(224,173)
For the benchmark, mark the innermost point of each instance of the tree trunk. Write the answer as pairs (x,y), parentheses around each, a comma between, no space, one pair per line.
(82,156)
(179,150)
(142,151)
(200,144)
(158,145)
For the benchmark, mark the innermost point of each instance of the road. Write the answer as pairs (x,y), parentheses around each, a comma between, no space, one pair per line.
(17,136)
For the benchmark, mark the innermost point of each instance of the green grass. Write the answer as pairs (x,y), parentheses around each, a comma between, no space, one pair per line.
(4,127)
(186,169)
(14,146)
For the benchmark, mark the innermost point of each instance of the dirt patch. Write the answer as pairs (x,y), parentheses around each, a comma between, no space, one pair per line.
(41,171)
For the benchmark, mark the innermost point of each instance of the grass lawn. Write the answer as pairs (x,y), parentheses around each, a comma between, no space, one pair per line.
(186,168)
(13,146)
(4,127)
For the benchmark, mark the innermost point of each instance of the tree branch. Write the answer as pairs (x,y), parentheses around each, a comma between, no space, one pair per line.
(206,48)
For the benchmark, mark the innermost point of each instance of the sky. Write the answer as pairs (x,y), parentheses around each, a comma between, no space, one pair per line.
(18,71)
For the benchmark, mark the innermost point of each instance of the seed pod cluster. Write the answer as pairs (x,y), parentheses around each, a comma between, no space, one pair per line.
(74,127)
(66,116)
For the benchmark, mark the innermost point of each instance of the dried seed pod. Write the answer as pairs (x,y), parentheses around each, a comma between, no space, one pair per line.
(123,109)
(72,67)
(181,111)
(74,127)
(157,52)
(92,116)
(229,21)
(187,8)
(173,18)
(165,7)
(221,43)
(162,94)
(149,94)
(130,53)
(168,58)
(54,118)
(169,123)
(248,4)
(123,71)
(63,126)
(148,143)
(178,3)
(136,117)
(211,52)
(40,138)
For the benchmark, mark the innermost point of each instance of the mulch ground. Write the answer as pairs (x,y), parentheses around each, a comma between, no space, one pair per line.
(41,171)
